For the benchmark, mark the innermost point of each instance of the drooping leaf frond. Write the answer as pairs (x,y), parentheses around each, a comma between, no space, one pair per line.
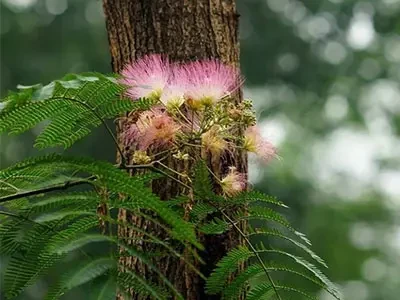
(258,264)
(201,210)
(261,291)
(47,243)
(73,230)
(74,105)
(29,261)
(255,196)
(85,272)
(115,180)
(64,222)
(128,280)
(277,233)
(218,281)
(240,283)
(215,226)
(228,265)
(202,186)
(329,286)
(103,288)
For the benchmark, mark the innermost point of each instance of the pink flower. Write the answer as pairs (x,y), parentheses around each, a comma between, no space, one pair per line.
(253,142)
(153,128)
(233,183)
(146,77)
(211,80)
(173,95)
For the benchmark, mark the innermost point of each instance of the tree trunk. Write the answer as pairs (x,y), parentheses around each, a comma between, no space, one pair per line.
(184,30)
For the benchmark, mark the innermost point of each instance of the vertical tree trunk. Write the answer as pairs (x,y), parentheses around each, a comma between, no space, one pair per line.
(184,30)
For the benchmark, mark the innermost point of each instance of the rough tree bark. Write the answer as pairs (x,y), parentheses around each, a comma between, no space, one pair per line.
(184,30)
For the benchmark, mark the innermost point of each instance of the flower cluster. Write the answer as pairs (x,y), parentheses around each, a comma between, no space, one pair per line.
(194,110)
(199,83)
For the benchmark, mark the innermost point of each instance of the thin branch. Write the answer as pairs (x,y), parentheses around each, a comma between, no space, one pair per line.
(171,177)
(131,167)
(162,152)
(152,167)
(173,171)
(51,188)
(192,145)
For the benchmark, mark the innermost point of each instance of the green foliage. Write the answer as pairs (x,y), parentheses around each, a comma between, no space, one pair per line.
(85,272)
(103,288)
(215,226)
(129,280)
(229,264)
(202,185)
(248,263)
(51,241)
(261,291)
(66,222)
(73,105)
(45,225)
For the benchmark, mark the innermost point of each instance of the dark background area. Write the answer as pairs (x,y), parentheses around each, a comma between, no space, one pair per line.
(324,77)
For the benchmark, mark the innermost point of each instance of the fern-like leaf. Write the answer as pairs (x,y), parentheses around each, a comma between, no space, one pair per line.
(86,272)
(80,242)
(277,233)
(225,267)
(202,186)
(128,280)
(216,226)
(31,261)
(88,200)
(233,290)
(248,197)
(73,105)
(117,181)
(329,286)
(104,288)
(261,291)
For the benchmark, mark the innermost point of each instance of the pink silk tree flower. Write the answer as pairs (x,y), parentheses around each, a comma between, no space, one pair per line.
(210,81)
(253,142)
(173,95)
(152,129)
(146,77)
(233,183)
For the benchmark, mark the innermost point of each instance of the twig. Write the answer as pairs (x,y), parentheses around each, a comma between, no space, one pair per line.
(152,166)
(172,170)
(55,187)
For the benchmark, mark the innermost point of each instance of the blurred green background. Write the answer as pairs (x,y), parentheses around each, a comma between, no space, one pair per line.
(324,77)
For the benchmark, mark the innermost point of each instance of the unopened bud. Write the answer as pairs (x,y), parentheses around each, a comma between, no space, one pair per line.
(141,157)
(181,156)
(234,114)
